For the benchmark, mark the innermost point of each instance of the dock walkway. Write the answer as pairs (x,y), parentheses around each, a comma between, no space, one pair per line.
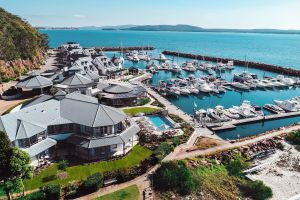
(232,124)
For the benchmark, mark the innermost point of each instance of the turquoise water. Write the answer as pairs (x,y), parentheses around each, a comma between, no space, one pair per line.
(281,49)
(247,130)
(160,122)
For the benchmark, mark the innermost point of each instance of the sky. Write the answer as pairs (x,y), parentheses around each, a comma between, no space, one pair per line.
(278,14)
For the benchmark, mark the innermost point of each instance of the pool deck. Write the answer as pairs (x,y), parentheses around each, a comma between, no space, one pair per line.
(233,123)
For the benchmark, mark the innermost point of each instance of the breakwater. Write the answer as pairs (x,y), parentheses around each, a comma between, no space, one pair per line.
(257,65)
(137,48)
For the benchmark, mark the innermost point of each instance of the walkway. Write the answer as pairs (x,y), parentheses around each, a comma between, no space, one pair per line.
(179,155)
(142,183)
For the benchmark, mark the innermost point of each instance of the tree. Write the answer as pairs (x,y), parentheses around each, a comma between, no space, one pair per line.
(52,192)
(14,166)
(174,176)
(163,150)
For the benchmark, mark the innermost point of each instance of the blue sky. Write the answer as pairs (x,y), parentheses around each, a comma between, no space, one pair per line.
(281,14)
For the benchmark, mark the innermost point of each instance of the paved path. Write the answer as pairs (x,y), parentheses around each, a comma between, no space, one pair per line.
(142,183)
(179,155)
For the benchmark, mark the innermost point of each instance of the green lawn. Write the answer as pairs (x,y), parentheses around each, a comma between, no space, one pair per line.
(129,193)
(80,172)
(136,110)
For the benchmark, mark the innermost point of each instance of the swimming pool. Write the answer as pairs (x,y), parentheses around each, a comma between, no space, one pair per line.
(160,122)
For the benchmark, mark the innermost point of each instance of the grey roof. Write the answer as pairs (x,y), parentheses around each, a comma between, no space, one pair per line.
(40,115)
(129,132)
(90,113)
(33,82)
(136,92)
(101,85)
(27,130)
(40,147)
(60,93)
(93,143)
(92,75)
(74,108)
(41,99)
(117,89)
(77,80)
(75,68)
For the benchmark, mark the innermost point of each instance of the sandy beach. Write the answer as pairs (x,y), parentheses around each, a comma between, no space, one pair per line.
(281,172)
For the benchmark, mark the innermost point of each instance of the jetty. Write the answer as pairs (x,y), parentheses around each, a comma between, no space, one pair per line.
(136,48)
(234,123)
(258,65)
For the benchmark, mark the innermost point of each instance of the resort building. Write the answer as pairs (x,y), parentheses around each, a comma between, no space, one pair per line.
(120,95)
(107,67)
(82,126)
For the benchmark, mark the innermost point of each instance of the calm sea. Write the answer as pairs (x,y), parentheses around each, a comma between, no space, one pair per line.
(280,49)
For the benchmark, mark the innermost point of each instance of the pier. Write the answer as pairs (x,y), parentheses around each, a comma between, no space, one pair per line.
(257,65)
(232,124)
(136,48)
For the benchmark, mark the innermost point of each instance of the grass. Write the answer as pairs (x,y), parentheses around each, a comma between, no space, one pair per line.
(81,172)
(129,193)
(205,143)
(136,110)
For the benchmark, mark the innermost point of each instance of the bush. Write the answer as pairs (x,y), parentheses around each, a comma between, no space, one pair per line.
(52,192)
(163,150)
(237,165)
(158,104)
(257,190)
(39,195)
(63,164)
(93,183)
(294,138)
(143,101)
(174,176)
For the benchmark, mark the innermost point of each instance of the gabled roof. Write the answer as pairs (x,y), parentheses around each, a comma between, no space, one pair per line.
(27,130)
(76,80)
(33,82)
(92,75)
(60,93)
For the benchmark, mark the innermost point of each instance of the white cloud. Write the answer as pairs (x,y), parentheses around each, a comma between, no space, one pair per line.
(78,16)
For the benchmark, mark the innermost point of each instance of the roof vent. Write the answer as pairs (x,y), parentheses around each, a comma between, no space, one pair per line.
(42,111)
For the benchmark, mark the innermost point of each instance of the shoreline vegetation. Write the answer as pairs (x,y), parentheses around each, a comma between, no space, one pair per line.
(22,47)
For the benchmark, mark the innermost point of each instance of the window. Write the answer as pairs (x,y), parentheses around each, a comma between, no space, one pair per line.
(114,146)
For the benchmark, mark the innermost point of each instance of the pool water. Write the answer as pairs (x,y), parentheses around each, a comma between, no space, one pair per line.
(160,122)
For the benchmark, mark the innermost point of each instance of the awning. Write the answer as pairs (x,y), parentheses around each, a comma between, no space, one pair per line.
(40,147)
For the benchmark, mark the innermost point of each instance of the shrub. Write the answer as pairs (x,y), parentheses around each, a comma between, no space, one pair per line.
(174,176)
(143,101)
(158,104)
(163,150)
(52,192)
(93,183)
(257,190)
(39,195)
(237,165)
(63,164)
(294,138)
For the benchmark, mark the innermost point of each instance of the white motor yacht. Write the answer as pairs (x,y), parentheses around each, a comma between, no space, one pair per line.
(162,57)
(184,91)
(245,110)
(175,68)
(218,114)
(193,90)
(188,66)
(287,81)
(173,91)
(240,86)
(203,86)
(274,108)
(287,105)
(277,83)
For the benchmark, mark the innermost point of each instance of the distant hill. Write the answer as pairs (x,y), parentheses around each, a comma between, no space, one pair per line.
(179,27)
(189,28)
(22,47)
